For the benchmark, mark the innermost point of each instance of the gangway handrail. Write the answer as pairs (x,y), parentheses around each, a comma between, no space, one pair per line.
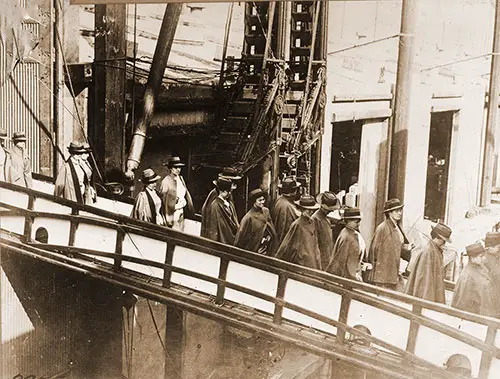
(384,362)
(285,271)
(176,237)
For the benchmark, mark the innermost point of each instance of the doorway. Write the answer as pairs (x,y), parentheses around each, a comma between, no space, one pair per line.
(438,165)
(346,147)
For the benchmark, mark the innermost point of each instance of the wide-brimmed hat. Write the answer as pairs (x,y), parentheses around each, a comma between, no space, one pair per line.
(229,173)
(475,249)
(307,202)
(174,162)
(19,137)
(492,239)
(3,133)
(149,176)
(255,194)
(288,185)
(87,147)
(224,184)
(392,204)
(352,214)
(76,148)
(458,362)
(443,231)
(328,200)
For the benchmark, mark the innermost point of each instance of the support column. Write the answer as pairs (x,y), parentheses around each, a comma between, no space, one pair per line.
(405,73)
(174,343)
(107,130)
(58,110)
(492,115)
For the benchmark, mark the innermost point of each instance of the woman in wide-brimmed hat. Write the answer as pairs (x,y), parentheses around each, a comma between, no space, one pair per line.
(285,212)
(388,246)
(148,206)
(177,200)
(74,179)
(18,164)
(328,230)
(426,268)
(300,245)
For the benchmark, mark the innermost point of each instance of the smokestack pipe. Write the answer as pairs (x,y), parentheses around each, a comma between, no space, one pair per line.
(153,85)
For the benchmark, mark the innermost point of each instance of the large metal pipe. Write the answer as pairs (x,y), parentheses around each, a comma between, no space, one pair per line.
(492,115)
(160,59)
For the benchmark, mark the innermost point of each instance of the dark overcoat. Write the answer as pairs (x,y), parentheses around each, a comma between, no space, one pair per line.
(284,213)
(346,255)
(300,245)
(221,222)
(427,277)
(252,230)
(325,237)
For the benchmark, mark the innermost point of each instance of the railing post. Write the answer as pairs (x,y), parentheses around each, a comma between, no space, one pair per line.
(280,294)
(120,236)
(28,221)
(413,332)
(486,358)
(221,287)
(167,270)
(343,314)
(73,226)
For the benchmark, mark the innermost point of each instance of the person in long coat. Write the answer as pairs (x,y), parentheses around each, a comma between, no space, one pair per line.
(4,152)
(221,219)
(148,205)
(427,274)
(225,174)
(284,211)
(175,195)
(474,289)
(492,263)
(18,163)
(349,249)
(328,203)
(74,179)
(300,245)
(388,245)
(256,232)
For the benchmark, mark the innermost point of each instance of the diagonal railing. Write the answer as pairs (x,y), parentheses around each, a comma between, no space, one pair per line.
(280,293)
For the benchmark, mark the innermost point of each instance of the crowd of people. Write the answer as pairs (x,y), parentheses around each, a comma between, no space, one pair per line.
(319,233)
(312,231)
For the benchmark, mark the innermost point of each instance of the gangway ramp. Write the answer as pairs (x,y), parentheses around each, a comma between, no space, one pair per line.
(311,309)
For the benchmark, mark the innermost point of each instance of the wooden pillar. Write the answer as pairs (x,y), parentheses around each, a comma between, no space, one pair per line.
(405,72)
(174,342)
(492,115)
(107,129)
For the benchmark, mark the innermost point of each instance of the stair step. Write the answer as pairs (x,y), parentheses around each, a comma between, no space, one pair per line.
(242,107)
(228,138)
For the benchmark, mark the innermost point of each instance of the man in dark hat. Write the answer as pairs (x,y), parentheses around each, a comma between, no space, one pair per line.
(148,206)
(284,211)
(474,289)
(388,245)
(175,195)
(18,165)
(328,203)
(427,274)
(3,154)
(74,179)
(349,249)
(228,174)
(221,221)
(256,232)
(300,245)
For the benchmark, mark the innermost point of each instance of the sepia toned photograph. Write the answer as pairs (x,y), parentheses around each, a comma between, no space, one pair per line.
(249,190)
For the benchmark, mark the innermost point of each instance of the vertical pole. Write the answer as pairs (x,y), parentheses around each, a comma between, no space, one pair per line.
(229,18)
(58,128)
(405,72)
(492,115)
(109,85)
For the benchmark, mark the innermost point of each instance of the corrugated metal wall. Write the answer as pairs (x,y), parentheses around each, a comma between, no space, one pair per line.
(20,93)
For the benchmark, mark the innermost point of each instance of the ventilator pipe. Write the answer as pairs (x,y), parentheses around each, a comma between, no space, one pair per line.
(153,85)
